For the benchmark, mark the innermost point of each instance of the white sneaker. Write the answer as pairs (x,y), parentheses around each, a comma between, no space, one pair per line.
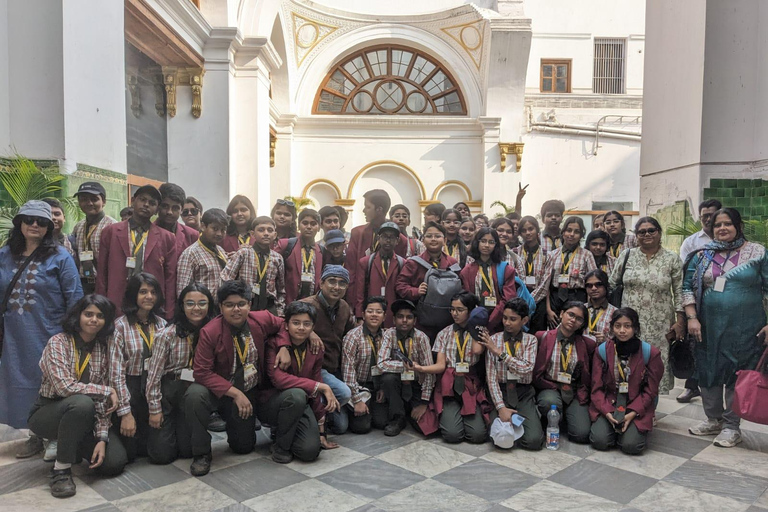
(51,447)
(728,438)
(707,427)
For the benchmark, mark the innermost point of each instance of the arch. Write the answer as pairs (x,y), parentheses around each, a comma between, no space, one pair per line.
(402,166)
(452,183)
(321,181)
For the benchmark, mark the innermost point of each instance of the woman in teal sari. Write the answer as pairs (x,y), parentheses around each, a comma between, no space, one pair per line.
(724,290)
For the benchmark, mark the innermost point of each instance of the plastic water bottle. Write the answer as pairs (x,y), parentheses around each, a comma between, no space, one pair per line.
(553,429)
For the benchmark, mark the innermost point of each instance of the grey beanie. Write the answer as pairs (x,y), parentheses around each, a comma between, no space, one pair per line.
(335,271)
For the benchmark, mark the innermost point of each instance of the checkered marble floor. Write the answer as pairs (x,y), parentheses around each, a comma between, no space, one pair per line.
(374,473)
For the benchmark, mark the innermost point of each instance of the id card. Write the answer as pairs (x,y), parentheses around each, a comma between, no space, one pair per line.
(306,277)
(249,371)
(512,376)
(383,291)
(186,375)
(255,289)
(564,378)
(407,376)
(130,262)
(86,256)
(720,284)
(462,367)
(530,280)
(375,371)
(562,279)
(490,302)
(623,387)
(145,366)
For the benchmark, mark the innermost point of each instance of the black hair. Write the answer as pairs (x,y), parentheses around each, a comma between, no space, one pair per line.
(464,221)
(232,229)
(434,209)
(309,212)
(71,323)
(343,216)
(131,296)
(183,326)
(435,225)
(552,205)
(17,243)
(399,306)
(518,306)
(598,233)
(375,300)
(627,313)
(711,203)
(173,192)
(575,220)
(481,216)
(462,203)
(128,210)
(215,216)
(598,273)
(655,223)
(379,199)
(619,216)
(195,202)
(449,211)
(529,220)
(53,203)
(399,207)
(292,210)
(735,217)
(502,220)
(298,307)
(263,219)
(234,287)
(499,252)
(513,216)
(584,313)
(469,300)
(327,211)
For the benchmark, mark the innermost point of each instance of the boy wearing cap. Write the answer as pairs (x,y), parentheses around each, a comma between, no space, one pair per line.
(134,246)
(334,248)
(203,261)
(91,197)
(303,258)
(168,213)
(406,392)
(401,215)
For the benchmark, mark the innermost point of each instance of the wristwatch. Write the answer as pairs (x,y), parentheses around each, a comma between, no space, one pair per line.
(502,357)
(691,317)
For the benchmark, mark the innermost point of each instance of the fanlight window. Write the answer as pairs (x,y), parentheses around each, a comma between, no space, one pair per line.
(390,80)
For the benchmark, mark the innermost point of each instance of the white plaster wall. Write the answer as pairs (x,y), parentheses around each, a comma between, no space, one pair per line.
(5,126)
(402,6)
(761,129)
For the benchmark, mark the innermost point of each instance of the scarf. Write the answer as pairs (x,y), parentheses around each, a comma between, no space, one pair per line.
(627,348)
(705,260)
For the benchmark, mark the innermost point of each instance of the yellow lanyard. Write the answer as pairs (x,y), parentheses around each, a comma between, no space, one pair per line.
(615,251)
(137,245)
(593,321)
(260,272)
(218,254)
(191,352)
(375,243)
(450,251)
(88,236)
(383,270)
(242,354)
(565,360)
(372,343)
(79,369)
(300,357)
(459,347)
(149,341)
(529,265)
(487,280)
(509,351)
(244,239)
(410,347)
(566,265)
(307,257)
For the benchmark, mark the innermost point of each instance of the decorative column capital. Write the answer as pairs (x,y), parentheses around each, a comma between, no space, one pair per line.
(511,148)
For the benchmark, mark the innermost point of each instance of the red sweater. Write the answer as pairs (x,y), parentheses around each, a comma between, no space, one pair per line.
(585,348)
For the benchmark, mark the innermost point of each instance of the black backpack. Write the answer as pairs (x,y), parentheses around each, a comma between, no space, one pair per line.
(434,308)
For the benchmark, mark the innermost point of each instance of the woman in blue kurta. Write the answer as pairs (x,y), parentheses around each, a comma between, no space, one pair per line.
(36,307)
(724,290)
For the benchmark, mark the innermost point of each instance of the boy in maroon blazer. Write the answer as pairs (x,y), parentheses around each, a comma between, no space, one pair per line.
(171,202)
(134,246)
(303,258)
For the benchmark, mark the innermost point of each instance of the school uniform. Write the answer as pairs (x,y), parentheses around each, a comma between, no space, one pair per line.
(87,244)
(509,380)
(202,264)
(183,235)
(564,275)
(156,255)
(364,241)
(381,282)
(73,400)
(606,263)
(482,279)
(231,243)
(359,365)
(264,273)
(130,349)
(628,242)
(549,242)
(303,269)
(599,319)
(414,247)
(562,377)
(457,250)
(615,392)
(531,268)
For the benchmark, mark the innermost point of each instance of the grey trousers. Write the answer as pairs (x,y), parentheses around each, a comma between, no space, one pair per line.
(576,415)
(717,408)
(376,417)
(174,437)
(456,428)
(295,425)
(533,432)
(603,436)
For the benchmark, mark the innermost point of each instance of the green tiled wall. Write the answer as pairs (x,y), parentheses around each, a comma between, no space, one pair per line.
(672,215)
(750,197)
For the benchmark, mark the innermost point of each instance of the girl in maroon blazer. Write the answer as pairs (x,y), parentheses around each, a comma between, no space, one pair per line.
(241,211)
(480,276)
(625,386)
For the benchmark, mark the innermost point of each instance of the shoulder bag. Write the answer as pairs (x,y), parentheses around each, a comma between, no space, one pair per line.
(7,297)
(617,294)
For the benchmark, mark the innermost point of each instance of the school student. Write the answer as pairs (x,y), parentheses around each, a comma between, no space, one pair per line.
(531,267)
(126,213)
(597,243)
(134,246)
(406,392)
(625,386)
(463,210)
(303,258)
(240,210)
(401,215)
(551,216)
(58,219)
(614,225)
(454,245)
(203,261)
(509,366)
(514,240)
(330,220)
(489,276)
(433,213)
(284,215)
(600,310)
(261,268)
(467,231)
(562,375)
(76,400)
(91,197)
(170,376)
(506,230)
(168,213)
(334,248)
(299,401)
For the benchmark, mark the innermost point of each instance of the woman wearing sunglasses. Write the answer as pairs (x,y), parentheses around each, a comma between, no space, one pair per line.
(653,286)
(38,283)
(192,213)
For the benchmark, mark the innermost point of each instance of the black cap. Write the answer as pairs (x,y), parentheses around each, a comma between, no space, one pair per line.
(92,187)
(149,189)
(402,304)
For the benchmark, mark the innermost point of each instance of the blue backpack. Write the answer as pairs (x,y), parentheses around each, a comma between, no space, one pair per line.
(522,290)
(646,352)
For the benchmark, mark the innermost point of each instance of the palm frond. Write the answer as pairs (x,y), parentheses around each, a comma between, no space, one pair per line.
(24,181)
(300,202)
(688,228)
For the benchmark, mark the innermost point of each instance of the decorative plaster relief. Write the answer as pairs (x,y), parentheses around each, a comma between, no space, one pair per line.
(307,34)
(470,37)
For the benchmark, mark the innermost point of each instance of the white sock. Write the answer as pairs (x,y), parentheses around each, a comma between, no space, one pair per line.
(61,465)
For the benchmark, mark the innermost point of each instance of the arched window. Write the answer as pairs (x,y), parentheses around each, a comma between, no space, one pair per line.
(389,80)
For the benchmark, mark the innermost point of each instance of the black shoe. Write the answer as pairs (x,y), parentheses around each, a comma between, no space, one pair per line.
(62,485)
(281,456)
(687,395)
(216,423)
(201,465)
(31,447)
(394,428)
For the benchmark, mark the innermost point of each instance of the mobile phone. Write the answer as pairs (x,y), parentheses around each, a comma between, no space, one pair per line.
(402,357)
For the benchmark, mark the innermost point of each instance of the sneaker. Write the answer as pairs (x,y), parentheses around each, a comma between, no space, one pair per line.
(687,395)
(201,465)
(394,428)
(728,438)
(62,484)
(707,428)
(281,456)
(51,447)
(216,423)
(31,447)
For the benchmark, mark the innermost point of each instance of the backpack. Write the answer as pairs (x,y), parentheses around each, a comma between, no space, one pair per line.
(433,309)
(289,247)
(646,352)
(400,263)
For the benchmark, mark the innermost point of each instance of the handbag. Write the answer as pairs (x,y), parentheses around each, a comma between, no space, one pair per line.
(7,297)
(750,395)
(681,358)
(617,294)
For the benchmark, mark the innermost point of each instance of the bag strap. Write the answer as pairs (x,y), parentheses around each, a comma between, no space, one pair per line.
(367,282)
(421,261)
(289,247)
(646,347)
(501,268)
(455,268)
(9,290)
(623,268)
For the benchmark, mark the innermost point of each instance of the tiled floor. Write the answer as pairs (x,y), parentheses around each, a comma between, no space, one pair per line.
(374,473)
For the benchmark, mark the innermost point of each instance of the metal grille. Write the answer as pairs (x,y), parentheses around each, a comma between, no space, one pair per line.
(608,77)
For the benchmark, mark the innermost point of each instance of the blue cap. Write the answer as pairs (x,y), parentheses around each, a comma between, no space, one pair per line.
(334,236)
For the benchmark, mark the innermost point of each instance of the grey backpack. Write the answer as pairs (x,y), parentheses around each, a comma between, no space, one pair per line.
(434,308)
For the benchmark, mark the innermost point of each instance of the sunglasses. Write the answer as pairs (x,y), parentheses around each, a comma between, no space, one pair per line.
(649,231)
(29,220)
(286,202)
(593,285)
(189,211)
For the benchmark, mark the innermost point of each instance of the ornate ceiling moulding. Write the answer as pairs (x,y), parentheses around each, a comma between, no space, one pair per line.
(307,34)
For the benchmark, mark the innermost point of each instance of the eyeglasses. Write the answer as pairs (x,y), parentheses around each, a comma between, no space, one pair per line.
(458,310)
(29,220)
(337,283)
(235,305)
(286,202)
(644,232)
(433,236)
(575,316)
(487,242)
(593,285)
(190,304)
(189,211)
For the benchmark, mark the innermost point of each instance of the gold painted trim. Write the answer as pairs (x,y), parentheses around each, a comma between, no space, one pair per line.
(474,204)
(346,203)
(511,148)
(318,38)
(320,181)
(477,25)
(448,183)
(426,202)
(422,190)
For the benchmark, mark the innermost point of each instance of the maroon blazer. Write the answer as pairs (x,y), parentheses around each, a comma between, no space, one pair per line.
(585,349)
(215,352)
(232,244)
(643,385)
(293,266)
(360,239)
(469,274)
(307,379)
(160,258)
(377,282)
(412,275)
(185,236)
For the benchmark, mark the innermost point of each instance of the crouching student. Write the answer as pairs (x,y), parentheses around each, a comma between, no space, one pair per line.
(625,386)
(509,373)
(359,365)
(76,401)
(459,406)
(170,377)
(406,392)
(561,374)
(297,406)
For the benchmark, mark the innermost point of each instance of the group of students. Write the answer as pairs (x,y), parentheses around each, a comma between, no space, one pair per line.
(250,318)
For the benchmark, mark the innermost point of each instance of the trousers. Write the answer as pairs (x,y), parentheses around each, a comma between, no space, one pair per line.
(603,436)
(174,437)
(456,428)
(719,405)
(135,446)
(199,403)
(576,415)
(398,406)
(337,422)
(533,432)
(294,422)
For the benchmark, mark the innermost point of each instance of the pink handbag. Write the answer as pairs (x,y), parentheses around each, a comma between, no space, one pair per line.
(750,396)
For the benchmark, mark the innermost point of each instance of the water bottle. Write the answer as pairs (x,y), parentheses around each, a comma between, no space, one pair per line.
(553,429)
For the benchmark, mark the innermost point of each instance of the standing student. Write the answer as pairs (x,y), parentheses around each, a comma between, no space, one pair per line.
(483,276)
(561,374)
(75,399)
(303,258)
(134,246)
(433,213)
(597,243)
(58,220)
(401,215)
(91,197)
(600,310)
(509,373)
(261,268)
(329,220)
(126,213)
(481,221)
(454,245)
(551,216)
(130,349)
(192,212)
(467,231)
(240,210)
(377,273)
(598,223)
(334,248)
(506,230)
(284,215)
(203,261)
(531,267)
(617,230)
(168,213)
(406,393)
(463,210)
(514,219)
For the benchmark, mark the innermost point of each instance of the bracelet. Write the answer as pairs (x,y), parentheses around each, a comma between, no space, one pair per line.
(691,317)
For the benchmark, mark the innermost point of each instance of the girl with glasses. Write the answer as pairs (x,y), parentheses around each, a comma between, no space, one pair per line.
(454,245)
(613,224)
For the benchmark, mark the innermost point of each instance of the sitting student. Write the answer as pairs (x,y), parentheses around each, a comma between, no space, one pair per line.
(597,243)
(625,386)
(401,215)
(240,210)
(551,216)
(284,215)
(531,266)
(76,401)
(600,310)
(454,245)
(170,376)
(168,213)
(203,261)
(459,401)
(406,393)
(297,406)
(334,248)
(481,276)
(302,258)
(467,231)
(261,268)
(561,374)
(509,373)
(359,364)
(130,349)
